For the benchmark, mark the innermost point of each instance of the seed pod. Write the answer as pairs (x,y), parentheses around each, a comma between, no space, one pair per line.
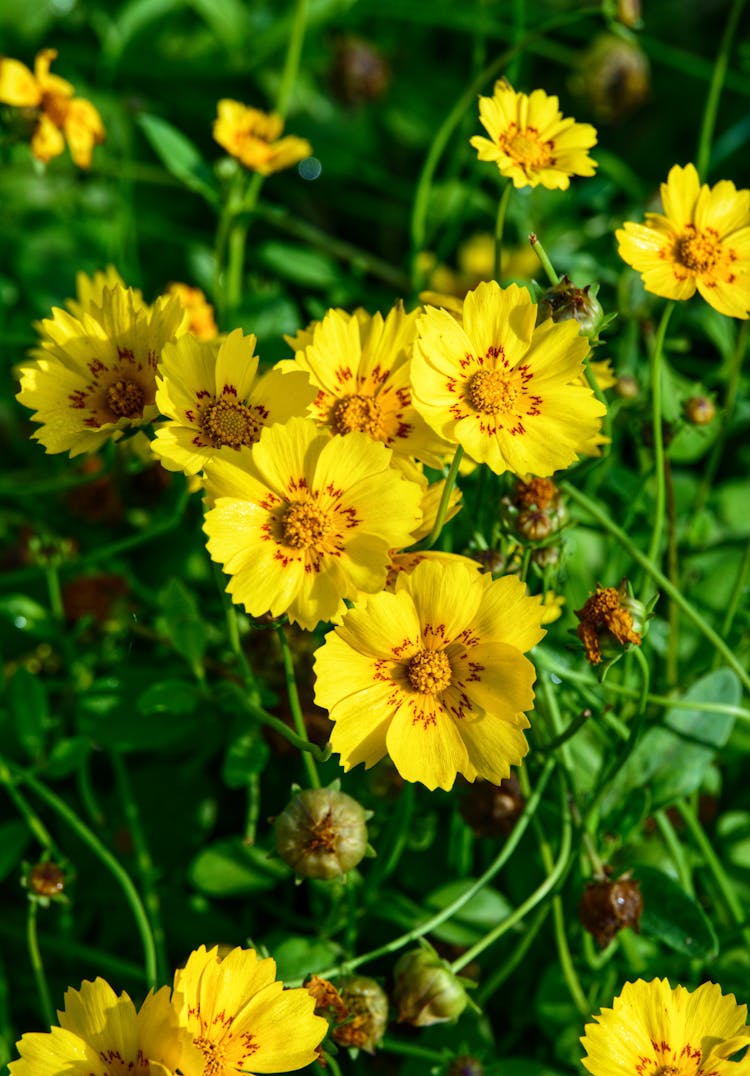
(700,410)
(321,833)
(566,302)
(607,907)
(46,879)
(367,1014)
(425,989)
(492,810)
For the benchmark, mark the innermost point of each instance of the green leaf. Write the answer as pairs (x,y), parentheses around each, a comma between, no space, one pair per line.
(297,957)
(228,20)
(27,699)
(290,261)
(230,868)
(673,917)
(673,758)
(180,156)
(246,757)
(169,697)
(183,623)
(66,756)
(733,829)
(471,922)
(14,838)
(132,19)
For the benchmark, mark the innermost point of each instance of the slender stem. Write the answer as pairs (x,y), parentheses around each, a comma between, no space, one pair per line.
(733,384)
(566,734)
(543,256)
(656,354)
(502,207)
(673,570)
(675,849)
(144,863)
(35,956)
(411,1049)
(715,866)
(450,481)
(279,726)
(27,812)
(107,860)
(507,966)
(711,110)
(703,626)
(450,910)
(738,591)
(293,54)
(294,705)
(253,808)
(55,593)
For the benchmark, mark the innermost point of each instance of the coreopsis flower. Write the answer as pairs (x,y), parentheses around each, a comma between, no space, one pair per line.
(59,115)
(509,392)
(700,242)
(253,138)
(100,1032)
(360,364)
(433,675)
(94,376)
(302,520)
(201,321)
(241,1017)
(216,402)
(653,1029)
(407,562)
(531,141)
(90,292)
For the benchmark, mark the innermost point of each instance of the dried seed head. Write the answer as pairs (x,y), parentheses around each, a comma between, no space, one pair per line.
(700,410)
(492,810)
(611,620)
(321,833)
(425,989)
(46,879)
(607,907)
(566,302)
(366,1014)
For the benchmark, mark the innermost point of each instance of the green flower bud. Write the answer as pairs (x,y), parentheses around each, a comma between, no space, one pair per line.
(425,989)
(321,833)
(566,302)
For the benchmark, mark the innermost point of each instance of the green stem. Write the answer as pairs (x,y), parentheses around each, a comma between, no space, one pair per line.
(27,812)
(280,727)
(543,256)
(507,966)
(106,858)
(711,110)
(738,591)
(640,558)
(656,354)
(733,384)
(673,570)
(675,849)
(35,956)
(566,734)
(144,863)
(294,705)
(293,54)
(502,207)
(412,1049)
(253,808)
(714,865)
(450,910)
(450,481)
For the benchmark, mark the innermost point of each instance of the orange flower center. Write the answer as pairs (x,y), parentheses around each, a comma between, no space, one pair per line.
(526,148)
(357,413)
(125,398)
(228,422)
(305,525)
(429,672)
(491,391)
(698,251)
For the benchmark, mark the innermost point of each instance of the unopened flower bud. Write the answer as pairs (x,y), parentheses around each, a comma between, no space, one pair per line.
(614,75)
(546,556)
(492,810)
(700,410)
(367,1014)
(322,833)
(607,907)
(566,302)
(627,388)
(425,989)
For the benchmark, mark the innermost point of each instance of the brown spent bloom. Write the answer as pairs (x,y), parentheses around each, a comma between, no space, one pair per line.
(604,618)
(536,493)
(492,810)
(700,410)
(46,879)
(608,907)
(328,1001)
(367,1014)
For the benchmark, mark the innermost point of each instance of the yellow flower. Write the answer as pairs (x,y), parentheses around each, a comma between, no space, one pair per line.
(302,520)
(653,1030)
(701,241)
(252,137)
(552,604)
(360,365)
(241,1018)
(201,320)
(58,112)
(94,376)
(508,391)
(90,292)
(531,141)
(217,402)
(433,675)
(101,1033)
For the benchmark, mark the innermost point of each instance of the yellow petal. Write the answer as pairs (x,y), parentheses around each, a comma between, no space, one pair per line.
(18,87)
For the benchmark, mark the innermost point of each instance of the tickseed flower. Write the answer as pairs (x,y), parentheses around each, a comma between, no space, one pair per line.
(608,622)
(58,114)
(241,1018)
(531,141)
(701,241)
(303,520)
(201,321)
(654,1030)
(253,138)
(100,1032)
(216,401)
(360,365)
(94,376)
(433,675)
(508,391)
